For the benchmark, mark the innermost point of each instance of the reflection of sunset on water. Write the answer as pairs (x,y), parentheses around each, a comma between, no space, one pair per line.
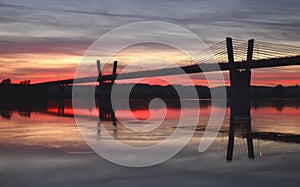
(52,129)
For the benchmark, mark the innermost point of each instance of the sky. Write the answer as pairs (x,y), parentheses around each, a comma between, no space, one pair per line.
(44,40)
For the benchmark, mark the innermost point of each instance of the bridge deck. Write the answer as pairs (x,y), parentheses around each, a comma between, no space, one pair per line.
(264,63)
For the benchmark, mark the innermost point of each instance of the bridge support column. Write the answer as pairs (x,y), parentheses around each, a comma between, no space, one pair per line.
(240,98)
(106,111)
(240,92)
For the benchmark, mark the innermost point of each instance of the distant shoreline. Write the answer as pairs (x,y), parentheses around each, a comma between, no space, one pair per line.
(144,91)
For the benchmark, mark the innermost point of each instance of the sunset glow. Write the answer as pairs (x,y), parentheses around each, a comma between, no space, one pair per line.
(142,93)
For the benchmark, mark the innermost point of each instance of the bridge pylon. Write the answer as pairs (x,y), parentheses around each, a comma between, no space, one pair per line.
(114,74)
(240,98)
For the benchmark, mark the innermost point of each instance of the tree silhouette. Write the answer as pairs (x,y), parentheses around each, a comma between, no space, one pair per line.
(6,81)
(26,82)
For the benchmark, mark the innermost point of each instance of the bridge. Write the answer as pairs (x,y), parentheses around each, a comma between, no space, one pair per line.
(236,56)
(228,54)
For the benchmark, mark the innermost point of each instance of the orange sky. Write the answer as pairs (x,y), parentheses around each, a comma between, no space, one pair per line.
(48,67)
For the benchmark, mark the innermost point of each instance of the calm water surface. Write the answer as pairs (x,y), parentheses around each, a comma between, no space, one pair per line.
(40,144)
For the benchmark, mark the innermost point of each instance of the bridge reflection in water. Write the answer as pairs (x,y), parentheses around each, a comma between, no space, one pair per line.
(239,127)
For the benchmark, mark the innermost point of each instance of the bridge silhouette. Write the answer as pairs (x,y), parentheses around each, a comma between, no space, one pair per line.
(228,54)
(236,56)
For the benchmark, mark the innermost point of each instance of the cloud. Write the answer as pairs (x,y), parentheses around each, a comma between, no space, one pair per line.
(237,17)
(32,45)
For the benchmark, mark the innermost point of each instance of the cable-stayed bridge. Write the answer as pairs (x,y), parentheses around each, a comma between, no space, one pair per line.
(228,54)
(237,56)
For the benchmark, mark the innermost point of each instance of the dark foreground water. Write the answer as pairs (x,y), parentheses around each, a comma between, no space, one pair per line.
(40,145)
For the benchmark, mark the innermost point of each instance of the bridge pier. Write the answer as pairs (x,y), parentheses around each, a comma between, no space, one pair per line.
(240,79)
(106,111)
(240,101)
(240,92)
